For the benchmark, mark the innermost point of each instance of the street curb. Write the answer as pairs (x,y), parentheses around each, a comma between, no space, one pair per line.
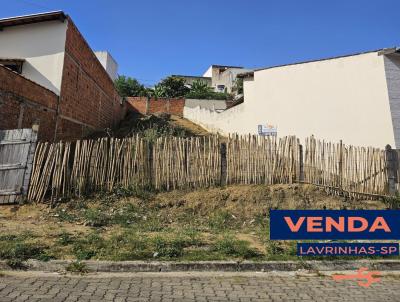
(209,266)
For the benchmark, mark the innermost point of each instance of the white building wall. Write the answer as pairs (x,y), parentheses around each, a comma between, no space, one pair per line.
(344,98)
(215,105)
(109,64)
(42,45)
(208,72)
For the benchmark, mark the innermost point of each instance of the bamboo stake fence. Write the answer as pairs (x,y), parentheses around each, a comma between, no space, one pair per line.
(262,160)
(181,163)
(64,169)
(68,170)
(356,170)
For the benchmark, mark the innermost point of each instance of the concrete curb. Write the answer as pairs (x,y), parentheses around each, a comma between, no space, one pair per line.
(221,266)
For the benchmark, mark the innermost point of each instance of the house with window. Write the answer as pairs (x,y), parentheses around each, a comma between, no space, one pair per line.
(49,74)
(354,98)
(221,78)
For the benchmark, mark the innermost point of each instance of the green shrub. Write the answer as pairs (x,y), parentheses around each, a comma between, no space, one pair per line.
(221,221)
(96,217)
(168,248)
(201,90)
(16,264)
(83,252)
(209,95)
(88,247)
(77,267)
(192,236)
(126,216)
(393,203)
(144,194)
(19,250)
(65,215)
(65,238)
(230,246)
(128,246)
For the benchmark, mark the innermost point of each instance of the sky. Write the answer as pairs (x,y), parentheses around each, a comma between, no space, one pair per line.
(152,39)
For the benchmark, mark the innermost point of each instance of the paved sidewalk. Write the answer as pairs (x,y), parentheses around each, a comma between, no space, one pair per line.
(191,287)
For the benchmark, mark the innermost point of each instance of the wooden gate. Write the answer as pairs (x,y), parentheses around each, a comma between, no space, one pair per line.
(17,148)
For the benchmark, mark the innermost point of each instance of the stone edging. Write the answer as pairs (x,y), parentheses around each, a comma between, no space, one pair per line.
(223,266)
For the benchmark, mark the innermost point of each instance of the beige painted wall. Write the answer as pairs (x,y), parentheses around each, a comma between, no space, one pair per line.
(344,98)
(42,45)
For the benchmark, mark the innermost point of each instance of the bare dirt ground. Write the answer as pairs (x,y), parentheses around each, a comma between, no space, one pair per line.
(208,224)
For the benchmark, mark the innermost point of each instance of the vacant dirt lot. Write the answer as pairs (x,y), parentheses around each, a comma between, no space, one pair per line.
(208,224)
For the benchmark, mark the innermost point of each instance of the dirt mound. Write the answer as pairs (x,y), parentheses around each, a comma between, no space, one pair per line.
(153,125)
(247,201)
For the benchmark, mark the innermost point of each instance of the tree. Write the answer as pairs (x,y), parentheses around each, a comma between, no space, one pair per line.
(200,90)
(157,92)
(173,87)
(127,86)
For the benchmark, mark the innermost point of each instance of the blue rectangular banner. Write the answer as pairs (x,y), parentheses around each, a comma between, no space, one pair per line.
(347,249)
(334,224)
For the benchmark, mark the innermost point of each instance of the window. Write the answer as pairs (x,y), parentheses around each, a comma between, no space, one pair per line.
(221,88)
(13,64)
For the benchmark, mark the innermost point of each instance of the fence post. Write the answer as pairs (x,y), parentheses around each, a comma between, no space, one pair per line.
(341,164)
(300,176)
(223,164)
(147,105)
(150,163)
(392,167)
(29,160)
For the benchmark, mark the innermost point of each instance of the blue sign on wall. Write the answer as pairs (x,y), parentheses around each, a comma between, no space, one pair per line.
(334,224)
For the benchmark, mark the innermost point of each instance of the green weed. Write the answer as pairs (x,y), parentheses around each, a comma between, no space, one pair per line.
(96,217)
(230,246)
(16,248)
(77,267)
(168,248)
(65,238)
(221,221)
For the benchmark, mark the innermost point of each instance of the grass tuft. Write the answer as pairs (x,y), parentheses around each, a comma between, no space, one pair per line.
(230,246)
(77,267)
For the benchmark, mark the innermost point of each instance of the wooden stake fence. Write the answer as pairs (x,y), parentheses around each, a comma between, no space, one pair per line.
(355,170)
(186,162)
(64,169)
(68,170)
(262,160)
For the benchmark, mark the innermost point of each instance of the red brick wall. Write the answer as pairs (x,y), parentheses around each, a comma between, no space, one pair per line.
(88,99)
(160,105)
(137,104)
(88,95)
(23,102)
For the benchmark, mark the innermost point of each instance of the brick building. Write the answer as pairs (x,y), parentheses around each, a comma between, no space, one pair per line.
(49,73)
